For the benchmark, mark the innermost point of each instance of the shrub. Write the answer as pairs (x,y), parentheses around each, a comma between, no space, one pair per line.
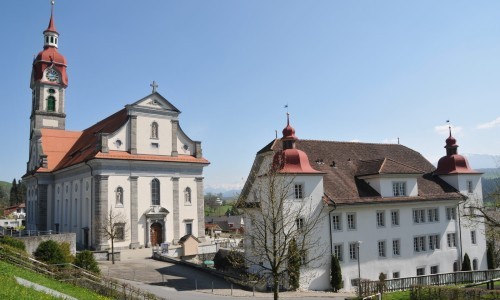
(66,251)
(335,274)
(13,242)
(86,260)
(49,252)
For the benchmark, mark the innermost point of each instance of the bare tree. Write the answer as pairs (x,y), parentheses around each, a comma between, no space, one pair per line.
(113,228)
(274,220)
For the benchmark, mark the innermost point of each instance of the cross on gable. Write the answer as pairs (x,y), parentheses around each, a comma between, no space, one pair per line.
(154,85)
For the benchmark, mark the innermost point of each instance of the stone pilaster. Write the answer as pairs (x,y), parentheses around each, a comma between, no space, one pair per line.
(100,211)
(175,127)
(198,151)
(134,238)
(133,134)
(200,206)
(42,207)
(175,191)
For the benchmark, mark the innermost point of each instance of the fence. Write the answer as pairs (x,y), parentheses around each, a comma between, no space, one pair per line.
(19,233)
(401,284)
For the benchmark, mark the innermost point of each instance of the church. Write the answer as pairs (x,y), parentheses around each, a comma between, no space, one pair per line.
(137,166)
(379,208)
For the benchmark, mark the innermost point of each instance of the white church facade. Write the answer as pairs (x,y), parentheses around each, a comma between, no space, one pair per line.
(137,163)
(383,206)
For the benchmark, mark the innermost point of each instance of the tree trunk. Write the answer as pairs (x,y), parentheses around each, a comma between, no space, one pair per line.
(112,251)
(276,287)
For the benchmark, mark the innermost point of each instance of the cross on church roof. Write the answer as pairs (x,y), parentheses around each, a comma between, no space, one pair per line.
(154,85)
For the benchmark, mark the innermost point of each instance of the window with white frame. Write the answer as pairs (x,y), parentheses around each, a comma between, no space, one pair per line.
(299,191)
(381,249)
(395,275)
(303,258)
(452,240)
(380,218)
(421,271)
(473,237)
(419,244)
(470,188)
(418,216)
(337,251)
(353,251)
(395,217)
(399,189)
(475,264)
(336,222)
(433,242)
(351,221)
(433,215)
(189,228)
(299,222)
(119,232)
(155,192)
(451,213)
(396,247)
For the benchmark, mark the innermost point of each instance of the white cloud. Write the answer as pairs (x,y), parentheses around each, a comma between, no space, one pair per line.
(443,129)
(489,125)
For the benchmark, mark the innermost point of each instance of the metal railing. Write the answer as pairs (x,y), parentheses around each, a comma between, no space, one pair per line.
(401,284)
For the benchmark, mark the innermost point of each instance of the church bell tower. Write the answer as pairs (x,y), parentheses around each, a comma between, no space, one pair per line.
(48,83)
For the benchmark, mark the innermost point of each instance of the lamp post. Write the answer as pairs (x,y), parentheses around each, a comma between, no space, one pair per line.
(358,244)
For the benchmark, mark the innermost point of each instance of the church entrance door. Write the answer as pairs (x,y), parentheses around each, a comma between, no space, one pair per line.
(156,234)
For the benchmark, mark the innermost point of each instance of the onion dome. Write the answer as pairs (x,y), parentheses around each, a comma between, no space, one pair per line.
(290,159)
(49,56)
(453,163)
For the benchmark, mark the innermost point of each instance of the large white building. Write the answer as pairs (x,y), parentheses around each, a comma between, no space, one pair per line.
(405,215)
(137,163)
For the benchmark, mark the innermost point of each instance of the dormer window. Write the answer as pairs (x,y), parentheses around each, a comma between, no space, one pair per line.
(399,189)
(154,130)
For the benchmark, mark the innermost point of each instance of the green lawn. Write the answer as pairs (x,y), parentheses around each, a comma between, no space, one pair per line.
(397,296)
(9,287)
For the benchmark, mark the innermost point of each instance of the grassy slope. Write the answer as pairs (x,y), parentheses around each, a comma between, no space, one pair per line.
(8,285)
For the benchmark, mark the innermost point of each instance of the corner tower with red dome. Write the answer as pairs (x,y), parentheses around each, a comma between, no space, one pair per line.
(455,170)
(48,83)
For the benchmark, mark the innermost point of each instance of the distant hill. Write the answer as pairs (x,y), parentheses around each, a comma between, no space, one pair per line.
(491,183)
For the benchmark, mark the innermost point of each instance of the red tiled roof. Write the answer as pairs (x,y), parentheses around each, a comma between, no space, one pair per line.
(343,162)
(68,148)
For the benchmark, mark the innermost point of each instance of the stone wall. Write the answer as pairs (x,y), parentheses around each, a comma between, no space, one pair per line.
(32,242)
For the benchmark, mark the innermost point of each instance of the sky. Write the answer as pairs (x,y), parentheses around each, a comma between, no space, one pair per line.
(361,71)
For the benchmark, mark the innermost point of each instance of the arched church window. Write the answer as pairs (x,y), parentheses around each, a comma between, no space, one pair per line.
(187,196)
(154,130)
(155,192)
(119,196)
(51,103)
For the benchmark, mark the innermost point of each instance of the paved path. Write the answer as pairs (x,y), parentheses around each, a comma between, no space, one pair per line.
(172,281)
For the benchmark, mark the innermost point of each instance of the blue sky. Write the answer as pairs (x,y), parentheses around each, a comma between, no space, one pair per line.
(368,71)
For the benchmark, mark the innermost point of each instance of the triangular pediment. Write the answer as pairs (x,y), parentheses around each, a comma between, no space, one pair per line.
(155,102)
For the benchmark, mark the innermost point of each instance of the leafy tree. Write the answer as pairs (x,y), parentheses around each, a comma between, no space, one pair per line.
(293,267)
(86,260)
(335,274)
(49,252)
(490,255)
(466,263)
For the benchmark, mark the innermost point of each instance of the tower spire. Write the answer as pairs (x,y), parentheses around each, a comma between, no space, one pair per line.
(50,34)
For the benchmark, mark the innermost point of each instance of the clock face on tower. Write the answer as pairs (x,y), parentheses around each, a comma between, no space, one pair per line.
(52,75)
